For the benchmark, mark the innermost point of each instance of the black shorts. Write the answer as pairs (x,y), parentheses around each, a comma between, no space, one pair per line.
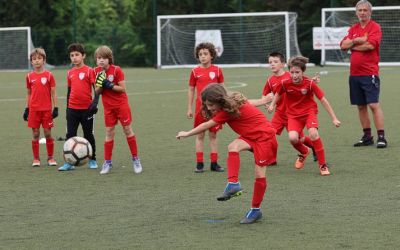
(364,89)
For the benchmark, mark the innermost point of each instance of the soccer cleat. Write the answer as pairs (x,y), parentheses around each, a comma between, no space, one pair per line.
(216,168)
(66,167)
(232,189)
(107,165)
(324,170)
(93,164)
(315,157)
(51,162)
(36,163)
(199,167)
(299,164)
(137,166)
(364,141)
(253,215)
(381,142)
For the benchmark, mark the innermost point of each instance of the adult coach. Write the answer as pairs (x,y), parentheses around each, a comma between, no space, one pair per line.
(363,40)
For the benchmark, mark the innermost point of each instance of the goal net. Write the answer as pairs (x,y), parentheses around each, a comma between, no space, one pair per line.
(15,48)
(389,19)
(241,39)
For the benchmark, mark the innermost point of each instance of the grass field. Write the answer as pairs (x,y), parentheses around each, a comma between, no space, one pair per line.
(168,206)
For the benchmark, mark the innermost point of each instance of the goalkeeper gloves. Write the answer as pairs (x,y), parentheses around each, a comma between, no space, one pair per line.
(93,108)
(103,82)
(26,114)
(55,112)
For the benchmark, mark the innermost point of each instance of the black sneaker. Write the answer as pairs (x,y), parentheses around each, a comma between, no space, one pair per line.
(315,158)
(381,142)
(199,167)
(216,168)
(365,141)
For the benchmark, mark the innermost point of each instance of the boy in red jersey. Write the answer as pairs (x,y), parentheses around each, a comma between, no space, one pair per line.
(40,98)
(200,77)
(80,105)
(110,82)
(279,121)
(302,111)
(255,134)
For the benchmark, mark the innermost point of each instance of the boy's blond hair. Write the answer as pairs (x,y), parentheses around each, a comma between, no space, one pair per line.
(38,52)
(104,52)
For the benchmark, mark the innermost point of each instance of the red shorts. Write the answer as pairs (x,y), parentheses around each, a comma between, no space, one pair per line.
(264,151)
(298,123)
(279,122)
(121,114)
(199,119)
(37,118)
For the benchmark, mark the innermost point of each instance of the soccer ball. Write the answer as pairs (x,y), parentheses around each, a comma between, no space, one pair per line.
(77,151)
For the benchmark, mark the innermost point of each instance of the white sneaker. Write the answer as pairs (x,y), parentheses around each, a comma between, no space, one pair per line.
(106,168)
(137,166)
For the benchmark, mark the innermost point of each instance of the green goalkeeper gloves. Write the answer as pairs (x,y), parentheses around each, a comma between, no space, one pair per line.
(103,82)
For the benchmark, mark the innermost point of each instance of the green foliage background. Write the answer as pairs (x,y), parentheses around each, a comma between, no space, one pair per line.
(129,26)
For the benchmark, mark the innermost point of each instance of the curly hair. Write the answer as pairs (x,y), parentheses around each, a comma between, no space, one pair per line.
(76,47)
(298,61)
(209,46)
(229,102)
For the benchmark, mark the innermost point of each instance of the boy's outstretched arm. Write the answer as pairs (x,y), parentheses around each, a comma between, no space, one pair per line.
(201,128)
(330,111)
(189,113)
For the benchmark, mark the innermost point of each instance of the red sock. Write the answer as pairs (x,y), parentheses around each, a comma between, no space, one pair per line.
(319,151)
(35,149)
(50,147)
(199,156)
(307,141)
(300,147)
(260,186)
(132,145)
(214,157)
(108,148)
(233,163)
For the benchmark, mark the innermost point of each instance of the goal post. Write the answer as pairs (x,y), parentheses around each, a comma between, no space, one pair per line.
(387,16)
(15,48)
(242,39)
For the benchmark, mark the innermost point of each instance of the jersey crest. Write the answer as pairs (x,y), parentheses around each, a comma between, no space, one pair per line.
(43,80)
(81,75)
(212,75)
(304,91)
(111,78)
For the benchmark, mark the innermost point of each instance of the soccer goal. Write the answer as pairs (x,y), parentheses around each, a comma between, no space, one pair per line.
(241,39)
(15,48)
(342,18)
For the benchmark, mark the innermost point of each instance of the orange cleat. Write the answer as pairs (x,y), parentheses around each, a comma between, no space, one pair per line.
(51,162)
(36,163)
(324,170)
(301,160)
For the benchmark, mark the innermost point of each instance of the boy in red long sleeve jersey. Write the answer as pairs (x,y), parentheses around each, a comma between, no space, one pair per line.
(302,111)
(200,77)
(279,120)
(110,81)
(40,99)
(255,134)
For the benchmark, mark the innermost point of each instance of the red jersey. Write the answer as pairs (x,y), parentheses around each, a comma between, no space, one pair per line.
(251,124)
(81,81)
(363,63)
(112,99)
(272,85)
(300,97)
(40,85)
(201,77)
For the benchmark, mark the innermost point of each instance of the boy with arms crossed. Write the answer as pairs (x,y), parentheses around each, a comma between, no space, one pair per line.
(110,81)
(200,77)
(40,98)
(80,106)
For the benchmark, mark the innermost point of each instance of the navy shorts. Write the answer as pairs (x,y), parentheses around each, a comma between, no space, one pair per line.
(364,89)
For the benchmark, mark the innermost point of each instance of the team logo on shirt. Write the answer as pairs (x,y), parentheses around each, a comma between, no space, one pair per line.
(212,75)
(304,91)
(43,80)
(81,75)
(111,78)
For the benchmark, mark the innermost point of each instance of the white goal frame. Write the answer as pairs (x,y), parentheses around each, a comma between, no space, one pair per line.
(29,45)
(324,12)
(261,64)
